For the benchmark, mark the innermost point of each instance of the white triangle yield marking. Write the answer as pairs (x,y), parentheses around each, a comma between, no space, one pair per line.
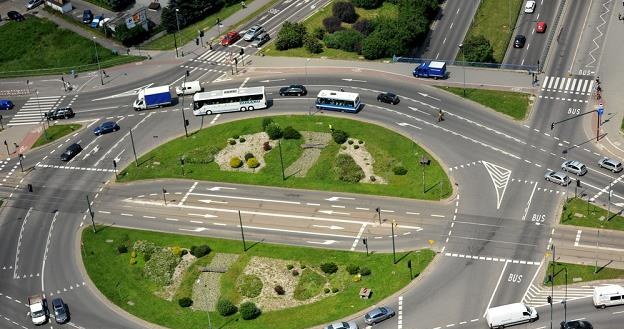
(500,179)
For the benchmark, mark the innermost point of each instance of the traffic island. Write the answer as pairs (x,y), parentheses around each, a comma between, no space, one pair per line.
(578,212)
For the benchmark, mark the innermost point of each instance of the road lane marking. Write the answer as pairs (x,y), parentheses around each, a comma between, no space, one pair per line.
(187,194)
(45,252)
(298,232)
(578,238)
(357,238)
(245,198)
(19,243)
(526,210)
(496,288)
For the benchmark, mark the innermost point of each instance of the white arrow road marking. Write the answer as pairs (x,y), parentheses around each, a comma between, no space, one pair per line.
(331,212)
(203,215)
(427,95)
(243,198)
(272,80)
(332,227)
(417,228)
(500,179)
(219,188)
(212,201)
(404,124)
(336,198)
(352,80)
(326,242)
(198,229)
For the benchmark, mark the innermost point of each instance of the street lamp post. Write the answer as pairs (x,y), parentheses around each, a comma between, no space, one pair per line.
(175,37)
(393,247)
(97,58)
(461,48)
(306,70)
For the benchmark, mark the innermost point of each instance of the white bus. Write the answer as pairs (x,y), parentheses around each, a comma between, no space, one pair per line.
(338,101)
(229,100)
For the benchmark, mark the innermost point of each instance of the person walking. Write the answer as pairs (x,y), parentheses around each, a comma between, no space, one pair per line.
(440,116)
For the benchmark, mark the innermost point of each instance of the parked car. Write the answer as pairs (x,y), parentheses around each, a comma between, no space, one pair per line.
(6,104)
(389,98)
(611,164)
(71,152)
(529,7)
(60,113)
(261,39)
(96,21)
(378,314)
(61,315)
(576,324)
(293,90)
(104,21)
(558,177)
(342,325)
(574,167)
(540,27)
(519,41)
(106,127)
(253,32)
(87,16)
(14,15)
(33,3)
(230,38)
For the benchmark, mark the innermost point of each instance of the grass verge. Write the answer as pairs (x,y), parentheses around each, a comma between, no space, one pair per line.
(580,273)
(55,132)
(510,103)
(495,21)
(39,47)
(578,212)
(388,149)
(126,286)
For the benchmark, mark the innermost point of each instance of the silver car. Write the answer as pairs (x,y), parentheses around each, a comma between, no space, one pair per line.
(558,177)
(377,315)
(611,164)
(342,325)
(574,167)
(253,32)
(260,40)
(33,3)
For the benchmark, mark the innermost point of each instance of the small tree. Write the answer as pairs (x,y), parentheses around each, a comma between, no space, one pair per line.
(319,33)
(290,36)
(185,302)
(266,122)
(329,268)
(313,45)
(345,11)
(340,136)
(225,307)
(279,290)
(235,162)
(478,49)
(332,24)
(249,311)
(274,131)
(363,26)
(200,251)
(253,163)
(367,4)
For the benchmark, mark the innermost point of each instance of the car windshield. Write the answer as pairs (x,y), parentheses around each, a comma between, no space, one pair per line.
(38,313)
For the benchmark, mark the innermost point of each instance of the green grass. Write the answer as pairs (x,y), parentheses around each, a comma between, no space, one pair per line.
(585,272)
(493,22)
(310,284)
(386,147)
(388,9)
(578,212)
(249,285)
(125,285)
(189,277)
(55,132)
(39,47)
(511,103)
(189,33)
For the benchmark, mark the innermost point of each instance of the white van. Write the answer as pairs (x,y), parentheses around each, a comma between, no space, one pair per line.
(608,295)
(189,88)
(507,315)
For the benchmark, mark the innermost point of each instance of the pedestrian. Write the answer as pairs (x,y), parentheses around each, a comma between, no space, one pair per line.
(210,45)
(243,4)
(619,16)
(16,145)
(440,116)
(104,74)
(331,128)
(127,51)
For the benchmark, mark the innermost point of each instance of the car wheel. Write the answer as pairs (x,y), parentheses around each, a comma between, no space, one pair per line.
(209,112)
(251,108)
(281,94)
(242,109)
(603,306)
(299,94)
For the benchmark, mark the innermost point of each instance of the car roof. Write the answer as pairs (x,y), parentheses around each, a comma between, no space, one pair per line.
(376,311)
(574,163)
(57,302)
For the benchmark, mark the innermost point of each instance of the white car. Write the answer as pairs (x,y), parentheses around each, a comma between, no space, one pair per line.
(529,7)
(558,177)
(253,32)
(342,325)
(33,3)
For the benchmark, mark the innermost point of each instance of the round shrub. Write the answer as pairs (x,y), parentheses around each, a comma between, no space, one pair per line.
(364,271)
(236,136)
(133,254)
(295,272)
(185,302)
(356,147)
(364,26)
(266,122)
(232,142)
(176,250)
(303,266)
(184,252)
(248,156)
(326,290)
(357,278)
(133,260)
(329,268)
(253,163)
(318,33)
(360,141)
(274,131)
(334,290)
(236,162)
(399,170)
(122,249)
(242,139)
(266,146)
(353,269)
(200,251)
(147,256)
(347,40)
(344,147)
(279,290)
(225,307)
(290,267)
(373,178)
(312,44)
(350,142)
(345,11)
(332,24)
(250,285)
(291,133)
(340,136)
(249,311)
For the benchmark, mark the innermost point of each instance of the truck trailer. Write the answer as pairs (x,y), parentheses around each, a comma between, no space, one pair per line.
(436,70)
(154,97)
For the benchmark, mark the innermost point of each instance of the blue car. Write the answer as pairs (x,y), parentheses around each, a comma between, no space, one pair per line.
(6,104)
(105,128)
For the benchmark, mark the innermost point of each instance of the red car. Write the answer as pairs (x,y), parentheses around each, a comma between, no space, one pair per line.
(540,27)
(230,38)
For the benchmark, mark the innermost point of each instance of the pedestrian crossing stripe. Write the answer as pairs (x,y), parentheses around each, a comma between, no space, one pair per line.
(223,57)
(74,168)
(201,68)
(574,85)
(33,111)
(537,296)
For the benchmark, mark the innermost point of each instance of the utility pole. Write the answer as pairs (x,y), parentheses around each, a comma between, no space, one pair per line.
(91,214)
(378,210)
(393,246)
(279,143)
(21,156)
(365,242)
(97,58)
(164,195)
(240,220)
(552,285)
(136,161)
(175,37)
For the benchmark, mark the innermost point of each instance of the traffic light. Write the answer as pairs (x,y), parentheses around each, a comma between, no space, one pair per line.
(186,122)
(578,183)
(552,126)
(188,73)
(549,300)
(365,241)
(242,51)
(377,209)
(201,34)
(197,41)
(235,60)
(30,188)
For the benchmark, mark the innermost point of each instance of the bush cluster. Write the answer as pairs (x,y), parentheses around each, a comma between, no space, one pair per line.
(236,162)
(253,163)
(364,271)
(273,130)
(200,251)
(353,269)
(332,24)
(295,272)
(345,11)
(232,142)
(367,4)
(399,170)
(225,307)
(249,311)
(291,133)
(248,156)
(279,290)
(347,40)
(146,247)
(340,136)
(347,169)
(364,26)
(329,268)
(290,36)
(185,302)
(250,285)
(266,122)
(290,266)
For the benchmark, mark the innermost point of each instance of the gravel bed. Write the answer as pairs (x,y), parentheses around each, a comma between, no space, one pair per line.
(207,287)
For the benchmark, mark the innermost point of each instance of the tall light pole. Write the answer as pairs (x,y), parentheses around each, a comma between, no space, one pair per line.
(175,38)
(306,70)
(461,48)
(393,247)
(97,58)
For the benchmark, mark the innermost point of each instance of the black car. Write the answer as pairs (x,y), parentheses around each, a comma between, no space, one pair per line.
(14,15)
(293,90)
(60,113)
(389,98)
(519,41)
(576,324)
(106,127)
(87,16)
(71,152)
(60,311)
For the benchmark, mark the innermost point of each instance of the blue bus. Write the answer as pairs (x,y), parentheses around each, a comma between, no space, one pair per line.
(338,101)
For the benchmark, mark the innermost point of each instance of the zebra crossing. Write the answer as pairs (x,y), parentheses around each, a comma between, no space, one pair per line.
(537,296)
(573,86)
(216,57)
(32,112)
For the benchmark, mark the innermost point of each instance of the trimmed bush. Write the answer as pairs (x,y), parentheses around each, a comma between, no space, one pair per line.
(185,302)
(295,272)
(319,33)
(122,249)
(249,311)
(232,142)
(235,136)
(200,251)
(266,146)
(279,290)
(367,4)
(291,133)
(334,290)
(176,250)
(350,142)
(265,123)
(332,24)
(340,136)
(326,290)
(274,131)
(236,162)
(364,26)
(329,268)
(353,269)
(184,252)
(347,40)
(345,11)
(373,178)
(356,147)
(253,163)
(360,142)
(290,266)
(312,44)
(225,307)
(364,271)
(399,170)
(248,156)
(242,139)
(347,169)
